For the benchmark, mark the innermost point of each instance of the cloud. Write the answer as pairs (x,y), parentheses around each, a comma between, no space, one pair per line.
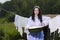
(2,1)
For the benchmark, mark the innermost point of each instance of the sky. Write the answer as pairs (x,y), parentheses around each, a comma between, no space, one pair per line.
(2,1)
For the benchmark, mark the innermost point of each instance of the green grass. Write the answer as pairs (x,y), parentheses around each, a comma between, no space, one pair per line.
(8,27)
(9,31)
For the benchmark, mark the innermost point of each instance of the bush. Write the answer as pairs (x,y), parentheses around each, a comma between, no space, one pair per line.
(9,32)
(1,34)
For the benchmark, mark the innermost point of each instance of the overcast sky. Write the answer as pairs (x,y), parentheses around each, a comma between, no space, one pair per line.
(2,1)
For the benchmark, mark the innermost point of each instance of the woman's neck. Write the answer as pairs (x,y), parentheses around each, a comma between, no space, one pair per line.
(36,16)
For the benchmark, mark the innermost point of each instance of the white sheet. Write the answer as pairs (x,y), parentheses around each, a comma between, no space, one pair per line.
(54,24)
(20,22)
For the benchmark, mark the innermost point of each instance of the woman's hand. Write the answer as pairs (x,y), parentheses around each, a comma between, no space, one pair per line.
(26,28)
(42,24)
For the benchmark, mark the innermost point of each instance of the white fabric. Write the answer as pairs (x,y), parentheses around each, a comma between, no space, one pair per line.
(20,22)
(54,24)
(25,22)
(37,22)
(46,20)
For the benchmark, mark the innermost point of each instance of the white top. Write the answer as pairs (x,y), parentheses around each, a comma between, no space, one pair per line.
(37,22)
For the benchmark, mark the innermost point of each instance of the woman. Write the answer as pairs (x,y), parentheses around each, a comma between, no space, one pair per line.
(36,20)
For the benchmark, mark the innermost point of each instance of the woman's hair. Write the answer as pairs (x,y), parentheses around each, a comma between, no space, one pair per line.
(39,15)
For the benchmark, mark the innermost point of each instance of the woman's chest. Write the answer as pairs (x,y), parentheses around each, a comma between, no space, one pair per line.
(36,22)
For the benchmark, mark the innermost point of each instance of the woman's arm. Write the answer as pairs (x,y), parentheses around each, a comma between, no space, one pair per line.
(27,26)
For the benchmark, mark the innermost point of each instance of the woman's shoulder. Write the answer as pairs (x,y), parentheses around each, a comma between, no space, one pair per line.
(30,18)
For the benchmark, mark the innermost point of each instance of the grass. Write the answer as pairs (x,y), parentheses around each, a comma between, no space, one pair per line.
(8,27)
(9,31)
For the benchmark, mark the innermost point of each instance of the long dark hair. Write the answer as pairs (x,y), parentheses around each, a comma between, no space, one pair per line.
(39,15)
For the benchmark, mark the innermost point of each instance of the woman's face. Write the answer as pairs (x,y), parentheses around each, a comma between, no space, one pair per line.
(36,11)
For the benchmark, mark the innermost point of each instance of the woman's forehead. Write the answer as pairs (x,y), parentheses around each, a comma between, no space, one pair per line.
(36,9)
